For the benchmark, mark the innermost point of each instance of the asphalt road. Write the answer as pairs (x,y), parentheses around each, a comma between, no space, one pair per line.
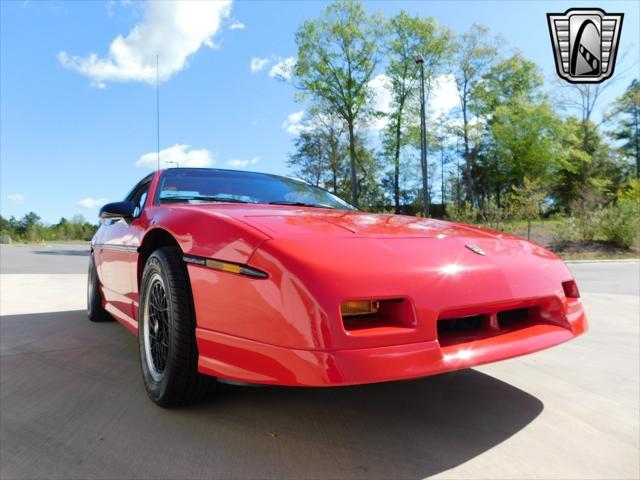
(72,403)
(47,259)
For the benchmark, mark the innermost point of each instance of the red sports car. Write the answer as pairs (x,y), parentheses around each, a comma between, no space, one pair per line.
(258,278)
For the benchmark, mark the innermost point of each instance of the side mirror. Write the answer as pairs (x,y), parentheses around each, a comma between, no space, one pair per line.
(124,209)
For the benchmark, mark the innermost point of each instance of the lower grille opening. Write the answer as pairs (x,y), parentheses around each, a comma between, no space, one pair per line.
(462,324)
(511,319)
(461,329)
(468,328)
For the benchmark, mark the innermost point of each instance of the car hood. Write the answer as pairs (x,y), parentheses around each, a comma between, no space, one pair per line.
(285,221)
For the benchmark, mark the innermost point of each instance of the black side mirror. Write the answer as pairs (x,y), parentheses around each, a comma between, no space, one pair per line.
(124,209)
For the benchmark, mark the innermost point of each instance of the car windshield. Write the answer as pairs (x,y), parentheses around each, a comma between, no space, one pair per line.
(193,185)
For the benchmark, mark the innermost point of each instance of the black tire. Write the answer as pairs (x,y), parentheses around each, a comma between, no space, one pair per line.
(175,380)
(95,311)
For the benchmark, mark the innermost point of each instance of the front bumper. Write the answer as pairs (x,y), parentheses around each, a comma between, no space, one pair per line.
(245,360)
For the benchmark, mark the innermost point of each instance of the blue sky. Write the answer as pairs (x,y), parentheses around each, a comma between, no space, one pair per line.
(73,127)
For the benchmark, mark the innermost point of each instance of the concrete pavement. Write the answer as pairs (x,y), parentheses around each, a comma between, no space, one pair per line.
(72,403)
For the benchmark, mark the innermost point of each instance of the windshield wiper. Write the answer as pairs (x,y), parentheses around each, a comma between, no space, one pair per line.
(301,204)
(204,198)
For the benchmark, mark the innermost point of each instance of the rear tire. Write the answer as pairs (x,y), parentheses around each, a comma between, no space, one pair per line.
(95,311)
(166,333)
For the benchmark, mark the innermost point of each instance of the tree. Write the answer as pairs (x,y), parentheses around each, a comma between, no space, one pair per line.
(525,202)
(587,173)
(337,55)
(511,81)
(474,54)
(321,151)
(408,36)
(29,226)
(583,98)
(369,184)
(519,129)
(626,110)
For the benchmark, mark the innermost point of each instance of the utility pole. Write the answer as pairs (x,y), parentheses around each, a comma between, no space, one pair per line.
(423,141)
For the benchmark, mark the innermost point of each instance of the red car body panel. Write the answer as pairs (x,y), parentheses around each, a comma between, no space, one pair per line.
(288,329)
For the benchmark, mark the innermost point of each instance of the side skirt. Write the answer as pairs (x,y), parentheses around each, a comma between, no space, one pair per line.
(123,318)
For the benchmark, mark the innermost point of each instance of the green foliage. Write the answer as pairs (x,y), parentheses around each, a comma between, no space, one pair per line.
(587,174)
(462,212)
(321,153)
(515,80)
(618,223)
(407,36)
(526,202)
(474,54)
(489,215)
(568,230)
(626,111)
(514,155)
(337,55)
(523,142)
(31,229)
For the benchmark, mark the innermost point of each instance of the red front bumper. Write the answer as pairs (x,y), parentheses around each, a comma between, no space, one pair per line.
(240,359)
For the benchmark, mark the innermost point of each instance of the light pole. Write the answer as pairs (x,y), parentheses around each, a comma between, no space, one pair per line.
(423,141)
(442,192)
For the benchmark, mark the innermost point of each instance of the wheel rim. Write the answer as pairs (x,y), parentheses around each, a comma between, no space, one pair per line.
(156,327)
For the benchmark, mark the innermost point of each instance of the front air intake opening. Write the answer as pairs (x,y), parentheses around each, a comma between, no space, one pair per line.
(461,329)
(512,319)
(454,330)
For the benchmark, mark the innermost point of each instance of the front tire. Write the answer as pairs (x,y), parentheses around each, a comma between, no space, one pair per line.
(166,333)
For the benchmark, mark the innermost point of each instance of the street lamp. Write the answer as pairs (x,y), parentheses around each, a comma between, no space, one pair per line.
(423,140)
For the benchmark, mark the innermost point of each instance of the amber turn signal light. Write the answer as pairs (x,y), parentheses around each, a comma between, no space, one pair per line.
(355,308)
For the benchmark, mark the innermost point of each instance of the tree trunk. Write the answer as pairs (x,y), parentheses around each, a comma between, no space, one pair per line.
(396,164)
(637,140)
(352,155)
(466,171)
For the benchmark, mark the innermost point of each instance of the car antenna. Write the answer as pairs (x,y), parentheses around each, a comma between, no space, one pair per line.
(158,107)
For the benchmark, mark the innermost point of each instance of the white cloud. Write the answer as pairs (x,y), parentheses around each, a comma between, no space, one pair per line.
(172,30)
(243,163)
(382,98)
(299,122)
(109,7)
(442,99)
(114,7)
(258,64)
(295,123)
(237,26)
(91,202)
(178,155)
(444,95)
(283,69)
(15,198)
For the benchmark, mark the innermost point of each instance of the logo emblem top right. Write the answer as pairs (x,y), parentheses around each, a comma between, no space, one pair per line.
(585,43)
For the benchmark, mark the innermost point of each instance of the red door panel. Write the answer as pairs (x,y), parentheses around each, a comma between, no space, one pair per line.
(115,258)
